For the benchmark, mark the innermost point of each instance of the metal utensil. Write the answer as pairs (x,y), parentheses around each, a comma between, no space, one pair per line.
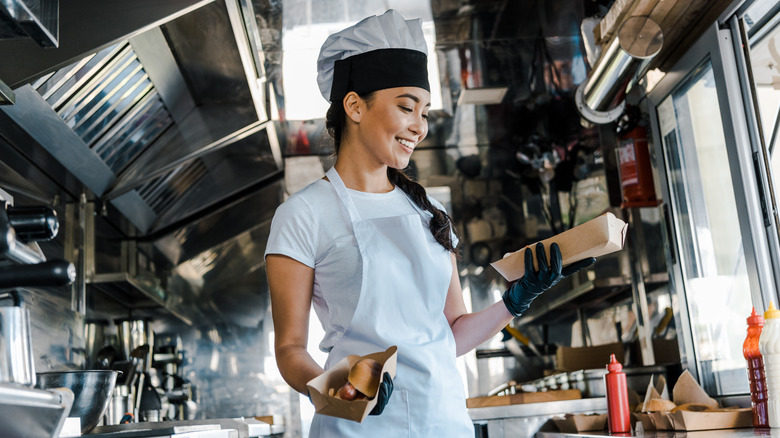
(140,354)
(105,357)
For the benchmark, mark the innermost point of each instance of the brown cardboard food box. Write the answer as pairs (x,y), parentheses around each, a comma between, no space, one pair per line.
(587,358)
(336,376)
(581,423)
(687,392)
(597,237)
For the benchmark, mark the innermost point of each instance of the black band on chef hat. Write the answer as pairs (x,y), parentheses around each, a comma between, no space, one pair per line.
(378,70)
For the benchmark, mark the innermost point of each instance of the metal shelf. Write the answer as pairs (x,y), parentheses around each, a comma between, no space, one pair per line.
(600,292)
(134,292)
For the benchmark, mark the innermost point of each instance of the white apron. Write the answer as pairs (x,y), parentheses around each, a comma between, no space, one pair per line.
(406,275)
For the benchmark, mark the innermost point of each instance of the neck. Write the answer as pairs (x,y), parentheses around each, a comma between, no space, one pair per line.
(361,174)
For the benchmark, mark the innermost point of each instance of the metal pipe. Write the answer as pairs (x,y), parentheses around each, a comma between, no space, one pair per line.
(600,99)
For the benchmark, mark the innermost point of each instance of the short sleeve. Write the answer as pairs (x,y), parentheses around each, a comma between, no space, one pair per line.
(439,205)
(294,232)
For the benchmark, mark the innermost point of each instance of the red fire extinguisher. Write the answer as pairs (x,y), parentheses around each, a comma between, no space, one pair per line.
(636,174)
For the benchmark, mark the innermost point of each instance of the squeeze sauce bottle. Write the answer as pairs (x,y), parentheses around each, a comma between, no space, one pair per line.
(755,361)
(618,415)
(769,347)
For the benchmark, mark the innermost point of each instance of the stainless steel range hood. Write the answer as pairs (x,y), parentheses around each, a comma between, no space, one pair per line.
(165,123)
(168,125)
(36,19)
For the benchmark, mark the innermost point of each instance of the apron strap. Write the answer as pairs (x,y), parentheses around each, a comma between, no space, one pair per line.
(341,191)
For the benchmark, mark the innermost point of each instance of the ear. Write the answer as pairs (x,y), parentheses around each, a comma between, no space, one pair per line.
(353,106)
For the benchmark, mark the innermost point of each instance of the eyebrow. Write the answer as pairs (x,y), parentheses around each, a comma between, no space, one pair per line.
(413,97)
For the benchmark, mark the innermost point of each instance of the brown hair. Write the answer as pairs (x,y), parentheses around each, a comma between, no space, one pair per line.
(441,224)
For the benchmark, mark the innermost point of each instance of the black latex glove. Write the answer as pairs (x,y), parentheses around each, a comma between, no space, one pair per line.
(383,394)
(520,295)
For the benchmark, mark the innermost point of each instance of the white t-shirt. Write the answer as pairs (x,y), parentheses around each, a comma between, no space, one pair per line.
(313,227)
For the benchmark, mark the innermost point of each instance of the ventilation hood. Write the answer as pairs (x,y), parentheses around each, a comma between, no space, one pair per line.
(160,113)
(165,123)
(36,19)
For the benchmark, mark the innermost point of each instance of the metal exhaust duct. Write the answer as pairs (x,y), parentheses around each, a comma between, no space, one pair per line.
(601,98)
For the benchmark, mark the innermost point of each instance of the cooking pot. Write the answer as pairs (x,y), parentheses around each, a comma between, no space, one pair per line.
(92,390)
(16,355)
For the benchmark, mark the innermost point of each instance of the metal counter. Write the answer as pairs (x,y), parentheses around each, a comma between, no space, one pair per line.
(525,420)
(725,433)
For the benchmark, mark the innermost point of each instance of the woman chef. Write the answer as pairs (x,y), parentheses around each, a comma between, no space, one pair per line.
(374,254)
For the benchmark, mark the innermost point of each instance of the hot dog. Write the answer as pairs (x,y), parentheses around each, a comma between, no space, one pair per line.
(362,382)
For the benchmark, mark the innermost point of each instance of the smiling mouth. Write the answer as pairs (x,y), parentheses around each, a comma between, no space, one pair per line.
(407,145)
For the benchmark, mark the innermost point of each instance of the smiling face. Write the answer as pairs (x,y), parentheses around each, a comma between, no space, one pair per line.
(394,122)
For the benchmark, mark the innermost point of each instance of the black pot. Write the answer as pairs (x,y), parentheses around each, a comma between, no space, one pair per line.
(92,390)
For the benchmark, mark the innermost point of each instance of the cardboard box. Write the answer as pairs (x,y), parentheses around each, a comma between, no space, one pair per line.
(523,397)
(719,419)
(687,391)
(336,376)
(644,418)
(585,358)
(597,237)
(581,423)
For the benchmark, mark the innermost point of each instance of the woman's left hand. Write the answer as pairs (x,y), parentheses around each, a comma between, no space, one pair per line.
(520,295)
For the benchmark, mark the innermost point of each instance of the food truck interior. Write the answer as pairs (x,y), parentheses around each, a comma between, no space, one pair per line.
(145,146)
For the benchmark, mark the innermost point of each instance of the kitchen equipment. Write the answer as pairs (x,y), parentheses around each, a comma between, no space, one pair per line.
(209,428)
(51,273)
(11,248)
(138,356)
(95,336)
(16,355)
(92,390)
(33,413)
(134,333)
(33,224)
(526,420)
(105,357)
(119,406)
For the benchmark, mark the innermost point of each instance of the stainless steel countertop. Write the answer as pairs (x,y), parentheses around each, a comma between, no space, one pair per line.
(725,433)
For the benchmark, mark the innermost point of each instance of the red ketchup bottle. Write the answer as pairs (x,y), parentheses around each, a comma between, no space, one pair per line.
(758,396)
(618,415)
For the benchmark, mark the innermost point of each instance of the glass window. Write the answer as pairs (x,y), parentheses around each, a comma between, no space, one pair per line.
(762,21)
(712,258)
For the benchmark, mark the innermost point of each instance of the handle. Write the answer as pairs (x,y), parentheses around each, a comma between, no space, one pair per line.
(51,273)
(13,296)
(33,224)
(7,235)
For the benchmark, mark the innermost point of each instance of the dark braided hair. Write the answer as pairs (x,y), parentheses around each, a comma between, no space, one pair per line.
(441,223)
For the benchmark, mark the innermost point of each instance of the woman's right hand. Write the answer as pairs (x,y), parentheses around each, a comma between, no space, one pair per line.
(383,394)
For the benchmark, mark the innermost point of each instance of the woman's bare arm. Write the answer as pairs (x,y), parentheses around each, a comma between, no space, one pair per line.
(471,329)
(291,284)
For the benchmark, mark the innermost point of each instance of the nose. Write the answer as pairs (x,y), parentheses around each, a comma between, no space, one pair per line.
(419,127)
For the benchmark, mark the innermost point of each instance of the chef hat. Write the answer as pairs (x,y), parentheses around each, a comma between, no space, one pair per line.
(381,51)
